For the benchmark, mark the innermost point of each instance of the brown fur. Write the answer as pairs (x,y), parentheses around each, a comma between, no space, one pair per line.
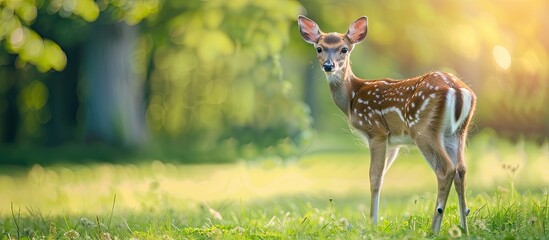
(332,39)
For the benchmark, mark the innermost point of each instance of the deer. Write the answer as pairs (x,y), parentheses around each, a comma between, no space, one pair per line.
(431,111)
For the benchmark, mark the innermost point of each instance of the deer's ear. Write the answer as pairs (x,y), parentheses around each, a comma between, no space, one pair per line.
(309,29)
(358,30)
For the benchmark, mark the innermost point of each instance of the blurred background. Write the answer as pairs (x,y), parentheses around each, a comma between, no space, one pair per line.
(217,81)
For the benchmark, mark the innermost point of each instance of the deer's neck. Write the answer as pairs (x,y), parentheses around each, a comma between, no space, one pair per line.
(340,83)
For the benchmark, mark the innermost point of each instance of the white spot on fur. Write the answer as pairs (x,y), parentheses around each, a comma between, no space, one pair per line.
(394,109)
(443,76)
(417,119)
(423,106)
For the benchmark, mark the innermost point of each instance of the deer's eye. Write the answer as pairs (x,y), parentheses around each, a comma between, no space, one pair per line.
(344,50)
(318,49)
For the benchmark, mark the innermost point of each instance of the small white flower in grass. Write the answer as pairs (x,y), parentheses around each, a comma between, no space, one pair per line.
(215,233)
(480,225)
(454,232)
(87,223)
(105,236)
(215,214)
(502,189)
(71,234)
(532,220)
(238,230)
(343,222)
(321,220)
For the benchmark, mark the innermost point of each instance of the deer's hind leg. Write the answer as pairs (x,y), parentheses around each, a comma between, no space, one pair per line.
(455,146)
(435,153)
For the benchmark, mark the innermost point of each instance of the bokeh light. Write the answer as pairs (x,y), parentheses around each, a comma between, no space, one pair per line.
(502,57)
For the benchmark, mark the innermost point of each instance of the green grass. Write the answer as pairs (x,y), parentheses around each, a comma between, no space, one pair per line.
(495,216)
(323,195)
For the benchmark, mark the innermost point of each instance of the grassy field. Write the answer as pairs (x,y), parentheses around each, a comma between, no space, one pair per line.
(321,195)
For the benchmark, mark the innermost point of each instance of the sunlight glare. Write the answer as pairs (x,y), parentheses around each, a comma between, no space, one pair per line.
(502,57)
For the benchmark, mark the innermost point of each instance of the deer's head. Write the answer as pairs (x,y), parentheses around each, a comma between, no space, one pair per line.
(333,49)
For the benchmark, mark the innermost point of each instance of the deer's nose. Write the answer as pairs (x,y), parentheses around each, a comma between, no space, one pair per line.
(328,66)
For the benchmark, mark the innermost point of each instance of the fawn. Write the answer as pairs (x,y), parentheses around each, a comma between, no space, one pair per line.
(432,111)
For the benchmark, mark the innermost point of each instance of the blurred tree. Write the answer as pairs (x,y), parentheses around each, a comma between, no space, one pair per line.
(9,88)
(209,73)
(112,86)
(217,80)
(18,38)
(109,72)
(112,91)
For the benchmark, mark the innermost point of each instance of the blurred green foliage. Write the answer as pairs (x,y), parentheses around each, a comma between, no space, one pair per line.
(18,16)
(218,78)
(214,81)
(234,78)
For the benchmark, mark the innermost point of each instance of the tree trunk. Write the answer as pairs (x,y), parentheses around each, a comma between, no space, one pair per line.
(10,118)
(112,100)
(11,121)
(63,102)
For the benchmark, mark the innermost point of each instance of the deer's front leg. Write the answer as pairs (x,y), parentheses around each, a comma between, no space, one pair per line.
(378,148)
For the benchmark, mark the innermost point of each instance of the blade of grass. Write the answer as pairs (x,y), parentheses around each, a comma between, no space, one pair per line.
(112,211)
(16,221)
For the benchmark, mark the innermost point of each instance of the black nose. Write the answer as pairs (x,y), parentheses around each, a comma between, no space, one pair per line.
(328,66)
